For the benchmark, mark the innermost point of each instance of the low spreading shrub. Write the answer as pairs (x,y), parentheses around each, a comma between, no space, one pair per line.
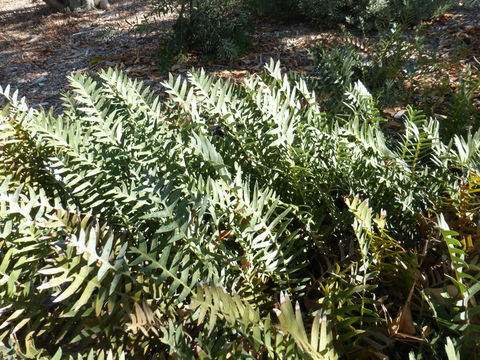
(385,67)
(457,107)
(382,68)
(233,221)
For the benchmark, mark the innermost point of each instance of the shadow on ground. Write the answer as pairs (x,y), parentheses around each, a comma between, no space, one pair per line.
(39,47)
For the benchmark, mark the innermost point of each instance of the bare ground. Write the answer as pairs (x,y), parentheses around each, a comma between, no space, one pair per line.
(40,48)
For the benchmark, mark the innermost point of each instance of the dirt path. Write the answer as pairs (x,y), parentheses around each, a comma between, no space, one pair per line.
(40,48)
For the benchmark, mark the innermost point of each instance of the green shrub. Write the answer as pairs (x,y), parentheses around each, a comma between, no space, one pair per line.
(456,107)
(366,15)
(371,14)
(382,69)
(412,12)
(283,10)
(231,221)
(218,29)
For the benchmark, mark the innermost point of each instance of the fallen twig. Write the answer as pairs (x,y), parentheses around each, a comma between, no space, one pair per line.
(87,31)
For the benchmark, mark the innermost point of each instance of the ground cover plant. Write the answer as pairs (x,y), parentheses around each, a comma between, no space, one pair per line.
(383,66)
(393,68)
(233,221)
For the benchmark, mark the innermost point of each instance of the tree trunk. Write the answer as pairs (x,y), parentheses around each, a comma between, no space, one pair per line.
(76,5)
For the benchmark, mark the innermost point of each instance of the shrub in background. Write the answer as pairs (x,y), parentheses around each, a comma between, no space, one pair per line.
(218,29)
(283,10)
(370,15)
(382,68)
(412,12)
(385,67)
(457,108)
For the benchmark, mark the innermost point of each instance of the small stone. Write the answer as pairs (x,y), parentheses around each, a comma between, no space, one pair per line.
(40,80)
(399,114)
